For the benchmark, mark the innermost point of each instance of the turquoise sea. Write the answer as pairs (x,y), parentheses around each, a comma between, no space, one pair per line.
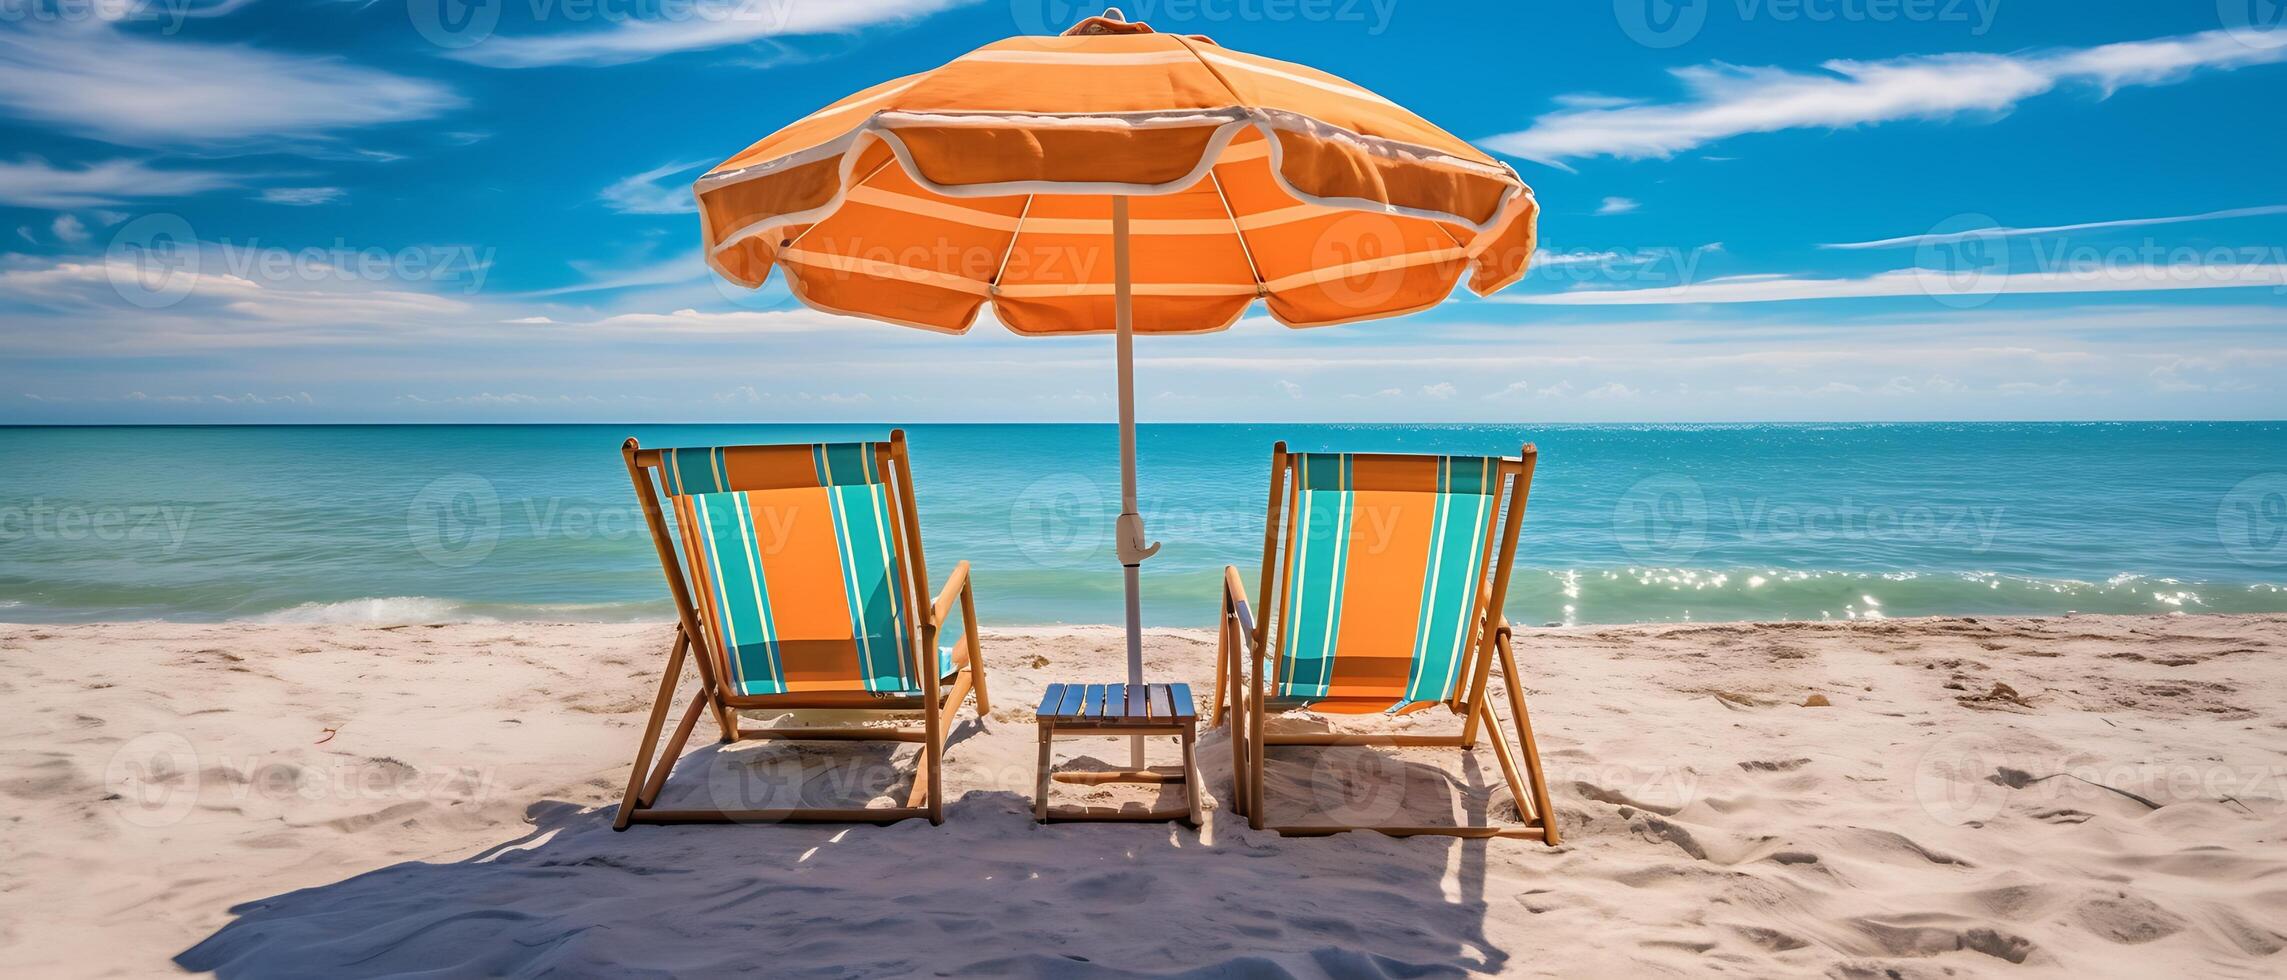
(1628,523)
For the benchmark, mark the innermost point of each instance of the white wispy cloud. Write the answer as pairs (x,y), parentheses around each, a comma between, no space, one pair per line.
(643,194)
(69,229)
(302,196)
(242,398)
(36,183)
(1617,205)
(351,344)
(1726,100)
(1947,238)
(701,27)
(94,80)
(1514,389)
(1932,283)
(682,268)
(217,288)
(727,321)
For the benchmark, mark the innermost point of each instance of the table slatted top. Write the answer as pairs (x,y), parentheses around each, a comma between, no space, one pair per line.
(1118,704)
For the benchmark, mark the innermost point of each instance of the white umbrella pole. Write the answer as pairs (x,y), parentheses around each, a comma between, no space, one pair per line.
(1130,530)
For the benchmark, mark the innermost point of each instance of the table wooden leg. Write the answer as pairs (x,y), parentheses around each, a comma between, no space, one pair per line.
(1191,776)
(1040,790)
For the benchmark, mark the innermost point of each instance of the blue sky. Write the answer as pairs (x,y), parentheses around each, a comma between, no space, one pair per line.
(1753,209)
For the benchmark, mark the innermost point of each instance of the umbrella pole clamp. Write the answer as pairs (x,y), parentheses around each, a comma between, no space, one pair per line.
(1130,540)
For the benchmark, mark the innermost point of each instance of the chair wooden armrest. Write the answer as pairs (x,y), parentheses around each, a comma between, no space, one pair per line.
(955,584)
(1236,594)
(968,654)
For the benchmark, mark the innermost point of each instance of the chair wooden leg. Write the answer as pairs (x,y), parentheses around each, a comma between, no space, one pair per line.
(660,705)
(1526,743)
(1254,720)
(1240,804)
(976,649)
(928,777)
(671,754)
(726,721)
(918,796)
(1527,808)
(1222,667)
(963,682)
(726,717)
(1482,668)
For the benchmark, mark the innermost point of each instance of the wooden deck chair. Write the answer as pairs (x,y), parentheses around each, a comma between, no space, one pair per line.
(800,585)
(1390,572)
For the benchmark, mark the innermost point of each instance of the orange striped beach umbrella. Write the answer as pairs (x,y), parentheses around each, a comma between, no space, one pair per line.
(1116,180)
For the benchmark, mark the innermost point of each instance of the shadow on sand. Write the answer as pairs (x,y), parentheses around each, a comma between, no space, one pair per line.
(988,893)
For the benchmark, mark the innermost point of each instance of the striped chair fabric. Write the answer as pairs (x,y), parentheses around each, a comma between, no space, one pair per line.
(1386,557)
(796,564)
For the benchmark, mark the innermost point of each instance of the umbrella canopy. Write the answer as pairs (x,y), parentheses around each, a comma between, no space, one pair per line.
(992,179)
(1117,180)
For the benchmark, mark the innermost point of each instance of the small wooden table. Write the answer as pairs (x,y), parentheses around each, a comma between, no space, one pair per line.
(1119,709)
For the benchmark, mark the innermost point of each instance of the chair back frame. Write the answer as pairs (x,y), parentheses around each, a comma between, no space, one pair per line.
(1515,475)
(645,469)
(941,692)
(1243,642)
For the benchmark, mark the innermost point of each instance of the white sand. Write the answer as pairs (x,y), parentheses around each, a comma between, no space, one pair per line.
(458,818)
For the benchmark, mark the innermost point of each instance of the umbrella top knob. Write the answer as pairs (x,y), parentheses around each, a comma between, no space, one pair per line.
(1111,21)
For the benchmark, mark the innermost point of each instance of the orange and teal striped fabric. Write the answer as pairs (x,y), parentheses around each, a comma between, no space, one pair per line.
(1385,560)
(796,566)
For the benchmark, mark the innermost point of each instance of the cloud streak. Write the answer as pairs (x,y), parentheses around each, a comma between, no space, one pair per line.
(722,23)
(1948,238)
(643,194)
(1929,283)
(1726,101)
(35,183)
(301,197)
(93,80)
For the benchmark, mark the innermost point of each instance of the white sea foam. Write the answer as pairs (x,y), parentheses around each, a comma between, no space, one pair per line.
(423,610)
(391,611)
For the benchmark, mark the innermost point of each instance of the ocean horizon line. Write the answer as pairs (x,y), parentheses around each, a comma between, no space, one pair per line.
(1668,423)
